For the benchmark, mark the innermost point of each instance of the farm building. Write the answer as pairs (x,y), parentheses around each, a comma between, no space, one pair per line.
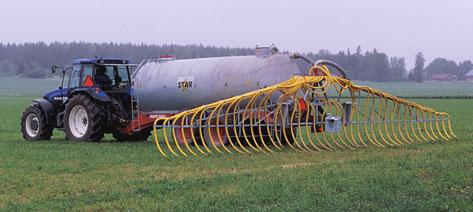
(469,76)
(444,77)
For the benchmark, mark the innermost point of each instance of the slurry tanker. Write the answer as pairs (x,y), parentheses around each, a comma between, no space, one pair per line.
(245,104)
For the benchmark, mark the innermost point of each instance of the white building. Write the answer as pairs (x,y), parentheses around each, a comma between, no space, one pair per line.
(469,76)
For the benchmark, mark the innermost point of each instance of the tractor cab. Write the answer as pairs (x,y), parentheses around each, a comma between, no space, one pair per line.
(100,78)
(106,74)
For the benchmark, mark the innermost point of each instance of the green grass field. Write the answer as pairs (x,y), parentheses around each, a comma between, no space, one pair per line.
(424,90)
(14,86)
(63,175)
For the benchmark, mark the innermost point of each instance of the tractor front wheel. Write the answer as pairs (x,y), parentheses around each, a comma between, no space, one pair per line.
(85,119)
(33,124)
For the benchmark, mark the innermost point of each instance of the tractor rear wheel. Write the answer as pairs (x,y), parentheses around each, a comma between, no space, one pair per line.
(33,124)
(85,119)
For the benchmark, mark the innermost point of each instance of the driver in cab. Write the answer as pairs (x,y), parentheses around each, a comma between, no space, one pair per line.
(102,79)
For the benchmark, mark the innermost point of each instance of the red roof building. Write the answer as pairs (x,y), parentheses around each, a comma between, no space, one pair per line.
(444,77)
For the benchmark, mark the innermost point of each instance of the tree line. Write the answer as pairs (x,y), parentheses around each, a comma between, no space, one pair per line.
(34,59)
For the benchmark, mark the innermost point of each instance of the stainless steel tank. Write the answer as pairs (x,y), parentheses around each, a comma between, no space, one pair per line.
(175,85)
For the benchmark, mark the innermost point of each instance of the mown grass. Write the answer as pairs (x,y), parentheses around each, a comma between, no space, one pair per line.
(459,89)
(63,175)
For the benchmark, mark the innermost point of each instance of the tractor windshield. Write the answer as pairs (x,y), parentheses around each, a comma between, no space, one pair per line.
(117,74)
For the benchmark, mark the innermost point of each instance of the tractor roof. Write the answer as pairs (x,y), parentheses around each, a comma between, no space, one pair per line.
(101,61)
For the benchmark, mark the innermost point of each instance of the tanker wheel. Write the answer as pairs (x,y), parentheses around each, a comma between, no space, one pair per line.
(85,119)
(284,141)
(138,136)
(186,137)
(213,135)
(264,136)
(33,124)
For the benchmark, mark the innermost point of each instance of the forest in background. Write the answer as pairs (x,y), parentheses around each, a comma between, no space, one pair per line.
(35,59)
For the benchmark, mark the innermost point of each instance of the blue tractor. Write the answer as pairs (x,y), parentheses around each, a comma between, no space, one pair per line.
(98,99)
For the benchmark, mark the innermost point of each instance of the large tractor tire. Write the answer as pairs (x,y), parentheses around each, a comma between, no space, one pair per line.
(138,136)
(33,124)
(85,119)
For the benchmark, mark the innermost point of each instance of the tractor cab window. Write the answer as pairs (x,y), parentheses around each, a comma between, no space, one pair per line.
(74,77)
(103,77)
(87,75)
(122,75)
(110,73)
(111,76)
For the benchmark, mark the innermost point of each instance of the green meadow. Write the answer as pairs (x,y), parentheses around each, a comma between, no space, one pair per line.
(63,175)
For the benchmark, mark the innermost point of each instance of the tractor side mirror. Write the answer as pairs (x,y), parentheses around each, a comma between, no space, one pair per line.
(53,69)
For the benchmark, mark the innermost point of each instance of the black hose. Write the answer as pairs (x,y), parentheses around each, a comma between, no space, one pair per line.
(333,64)
(308,60)
(322,62)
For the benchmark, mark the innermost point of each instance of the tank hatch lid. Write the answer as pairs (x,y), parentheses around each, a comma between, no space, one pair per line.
(266,51)
(166,58)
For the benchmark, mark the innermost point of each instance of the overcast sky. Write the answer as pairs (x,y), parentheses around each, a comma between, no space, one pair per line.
(438,28)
